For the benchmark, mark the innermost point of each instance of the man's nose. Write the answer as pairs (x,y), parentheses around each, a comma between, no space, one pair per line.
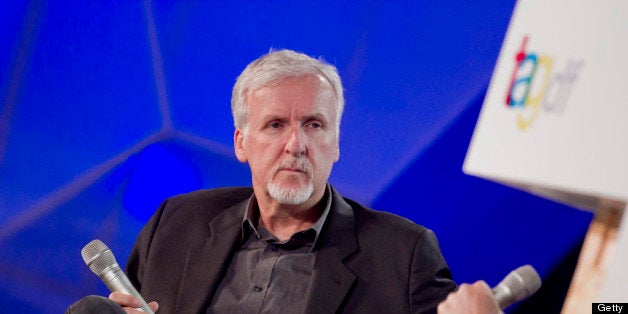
(296,144)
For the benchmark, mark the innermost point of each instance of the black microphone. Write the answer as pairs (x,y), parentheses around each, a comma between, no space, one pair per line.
(100,260)
(516,286)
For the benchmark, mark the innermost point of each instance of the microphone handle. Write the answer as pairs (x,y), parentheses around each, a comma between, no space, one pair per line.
(116,280)
(503,295)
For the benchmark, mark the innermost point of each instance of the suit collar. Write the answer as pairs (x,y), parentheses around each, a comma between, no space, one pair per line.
(208,259)
(331,279)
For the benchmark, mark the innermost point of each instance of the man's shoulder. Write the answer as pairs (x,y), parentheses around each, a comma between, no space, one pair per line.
(383,222)
(207,201)
(216,195)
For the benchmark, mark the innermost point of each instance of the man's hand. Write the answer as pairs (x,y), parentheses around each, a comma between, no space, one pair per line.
(130,303)
(476,298)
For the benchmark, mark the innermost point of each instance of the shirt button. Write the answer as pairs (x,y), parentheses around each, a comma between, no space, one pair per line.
(257,288)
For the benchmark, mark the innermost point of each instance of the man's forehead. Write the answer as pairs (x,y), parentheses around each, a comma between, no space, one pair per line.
(319,110)
(320,92)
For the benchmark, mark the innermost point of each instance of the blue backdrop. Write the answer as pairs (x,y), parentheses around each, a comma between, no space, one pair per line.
(108,107)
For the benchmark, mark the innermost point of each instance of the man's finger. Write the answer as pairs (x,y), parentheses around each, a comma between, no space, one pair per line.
(153,306)
(125,299)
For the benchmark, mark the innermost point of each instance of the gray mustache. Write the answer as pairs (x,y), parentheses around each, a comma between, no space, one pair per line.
(294,163)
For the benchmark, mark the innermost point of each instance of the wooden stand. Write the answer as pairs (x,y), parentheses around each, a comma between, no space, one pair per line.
(594,261)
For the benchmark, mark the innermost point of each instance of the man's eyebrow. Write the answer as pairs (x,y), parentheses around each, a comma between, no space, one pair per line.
(273,117)
(316,116)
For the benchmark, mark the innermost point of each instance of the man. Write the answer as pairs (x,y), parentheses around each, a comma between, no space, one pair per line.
(291,244)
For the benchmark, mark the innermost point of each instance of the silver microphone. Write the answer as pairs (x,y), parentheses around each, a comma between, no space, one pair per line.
(516,286)
(101,261)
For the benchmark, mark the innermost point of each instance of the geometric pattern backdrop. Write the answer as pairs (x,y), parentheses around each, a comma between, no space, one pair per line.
(108,107)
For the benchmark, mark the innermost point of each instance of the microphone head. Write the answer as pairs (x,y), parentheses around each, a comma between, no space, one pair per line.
(517,285)
(98,257)
(523,281)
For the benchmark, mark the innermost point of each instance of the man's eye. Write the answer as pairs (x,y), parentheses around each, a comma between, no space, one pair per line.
(274,125)
(316,125)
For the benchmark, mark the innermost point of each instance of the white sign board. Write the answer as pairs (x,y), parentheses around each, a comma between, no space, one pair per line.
(555,118)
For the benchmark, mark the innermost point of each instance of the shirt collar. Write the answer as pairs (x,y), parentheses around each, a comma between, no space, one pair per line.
(251,217)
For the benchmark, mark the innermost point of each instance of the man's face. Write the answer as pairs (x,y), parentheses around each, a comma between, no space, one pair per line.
(291,140)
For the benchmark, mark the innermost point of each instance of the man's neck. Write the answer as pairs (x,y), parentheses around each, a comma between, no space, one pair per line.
(283,221)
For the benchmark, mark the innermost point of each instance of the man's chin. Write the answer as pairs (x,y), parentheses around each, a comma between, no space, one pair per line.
(290,195)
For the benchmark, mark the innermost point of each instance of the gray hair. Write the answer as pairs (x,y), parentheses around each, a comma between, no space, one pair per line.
(275,67)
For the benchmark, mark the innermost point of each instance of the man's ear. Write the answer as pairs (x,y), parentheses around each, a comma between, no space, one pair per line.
(337,152)
(238,145)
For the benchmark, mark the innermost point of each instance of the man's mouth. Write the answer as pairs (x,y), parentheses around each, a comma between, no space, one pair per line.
(292,170)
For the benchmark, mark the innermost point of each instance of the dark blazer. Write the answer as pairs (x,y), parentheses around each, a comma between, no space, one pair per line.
(367,262)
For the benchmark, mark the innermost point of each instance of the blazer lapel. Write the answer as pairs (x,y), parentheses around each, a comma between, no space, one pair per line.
(207,259)
(331,279)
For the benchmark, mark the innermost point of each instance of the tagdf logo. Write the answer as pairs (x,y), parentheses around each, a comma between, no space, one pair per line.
(535,84)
